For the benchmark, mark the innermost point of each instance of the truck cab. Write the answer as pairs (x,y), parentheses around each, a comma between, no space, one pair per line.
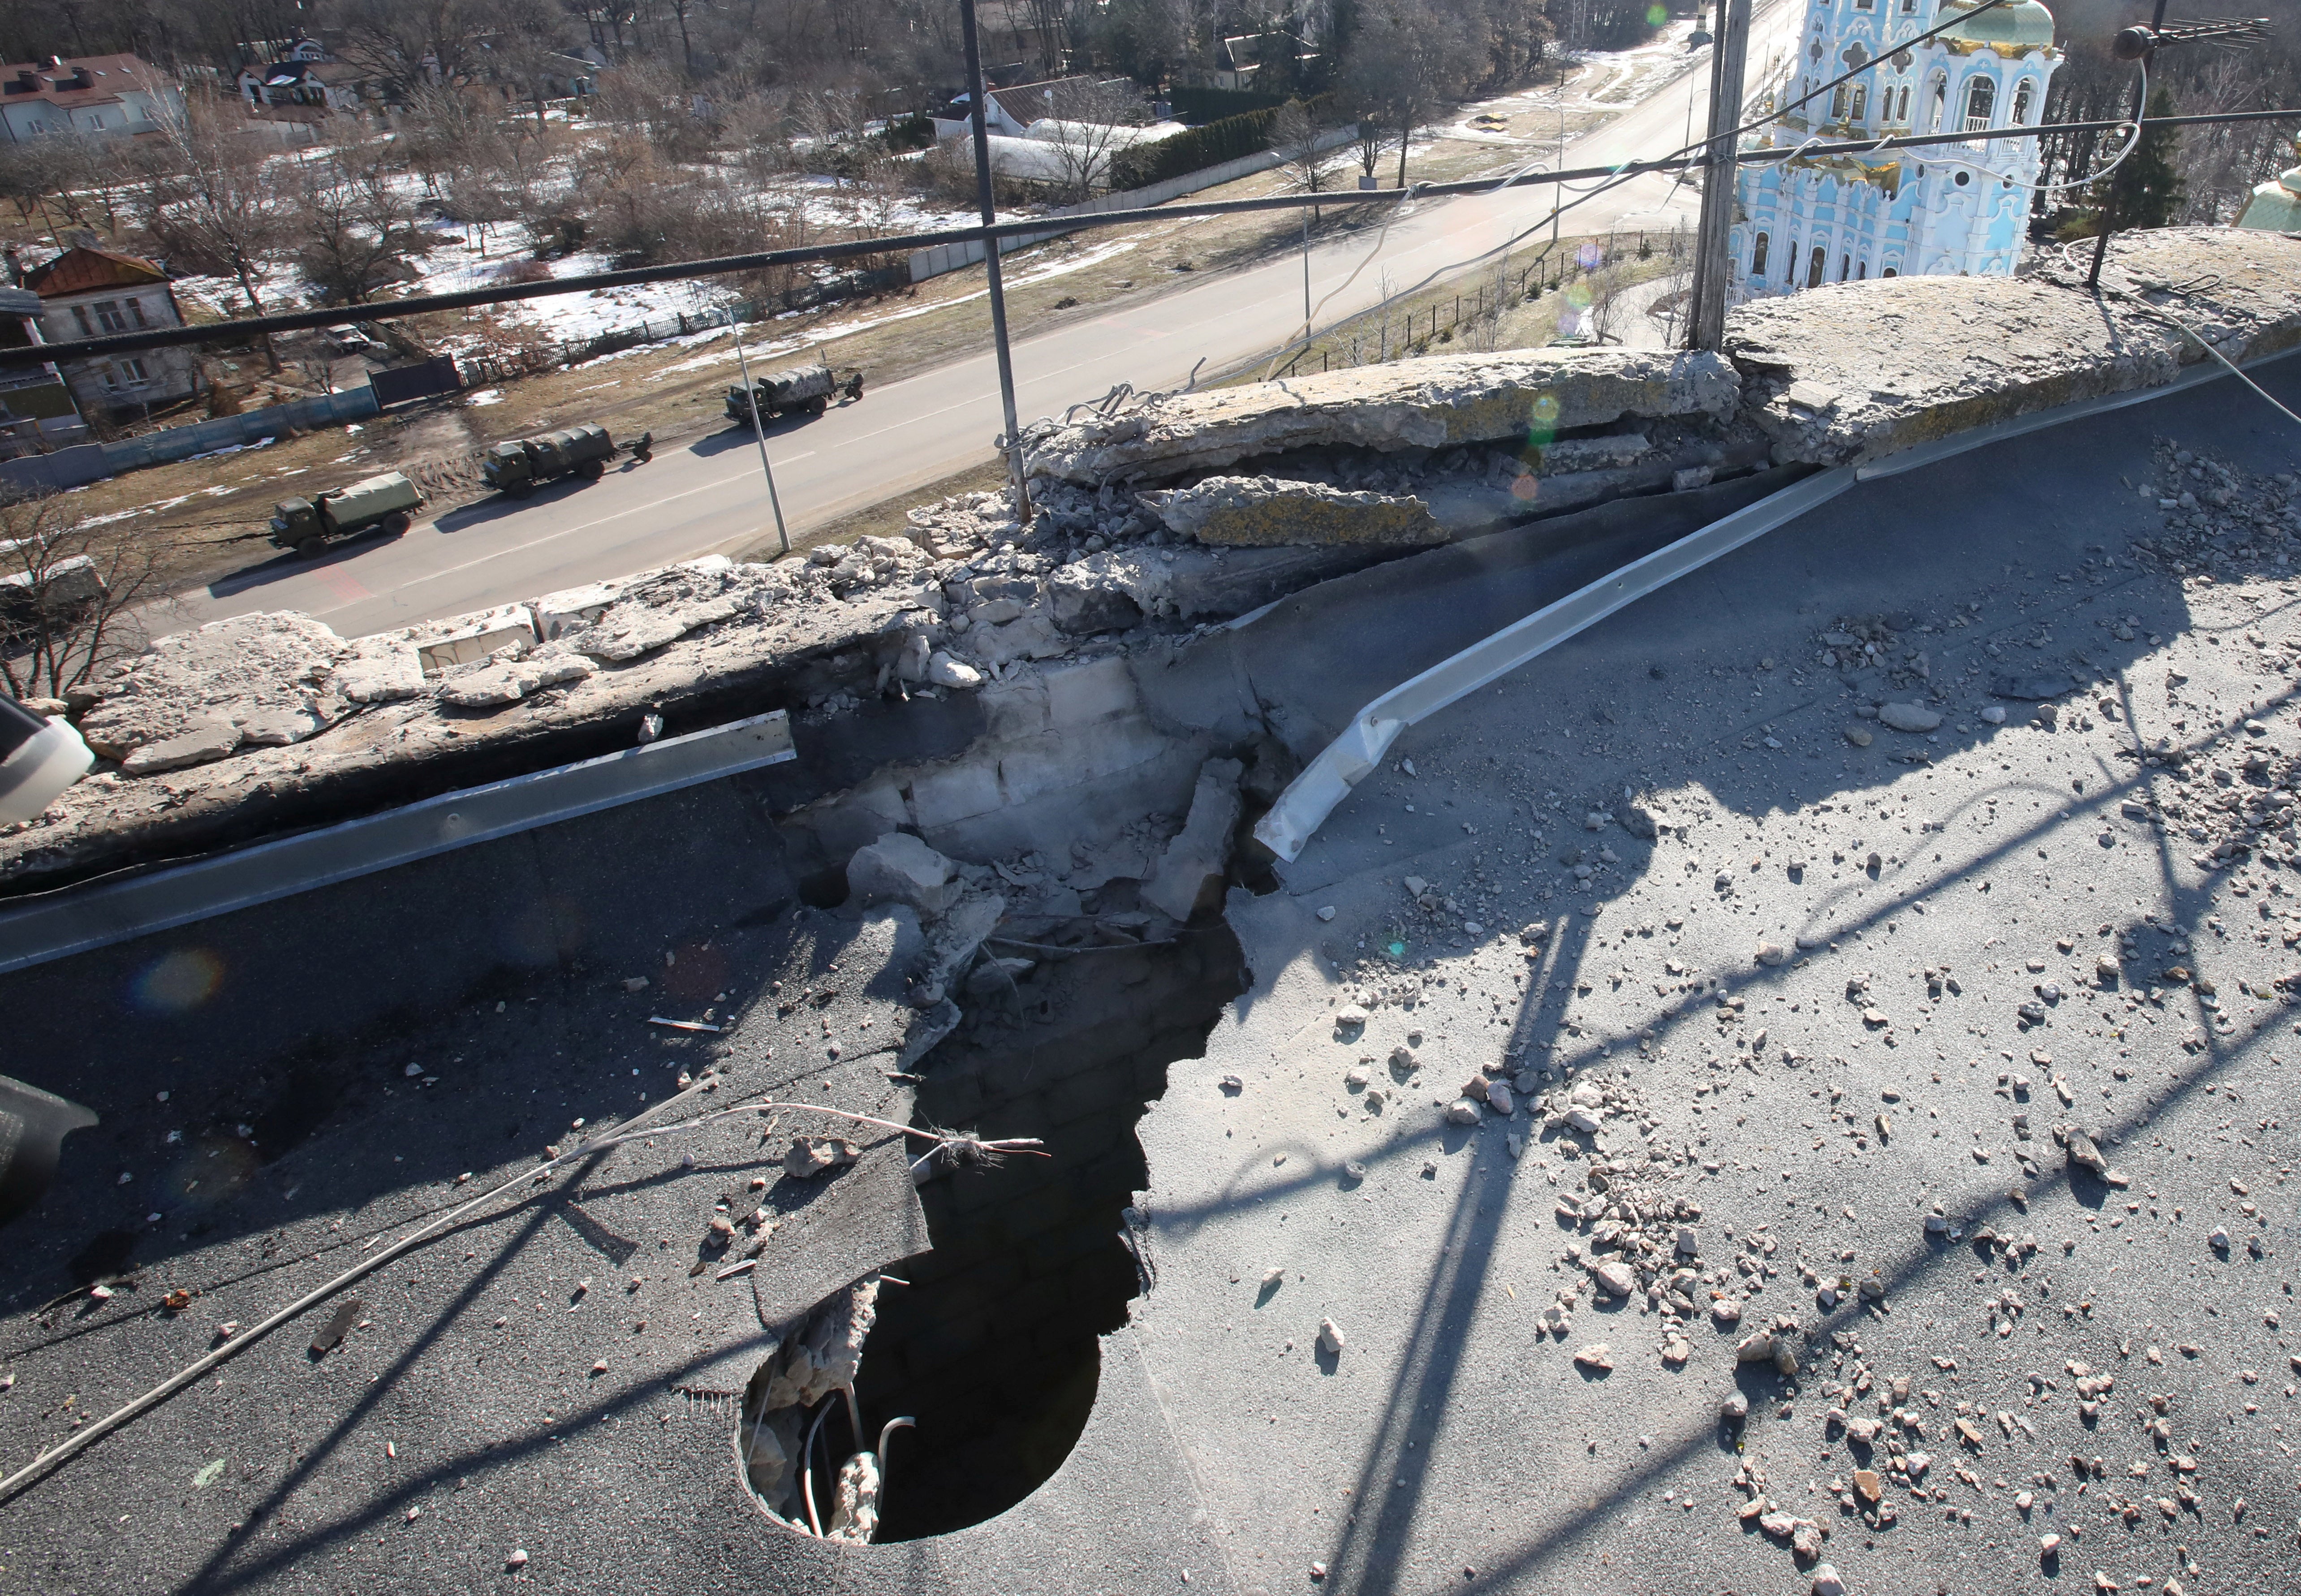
(295,521)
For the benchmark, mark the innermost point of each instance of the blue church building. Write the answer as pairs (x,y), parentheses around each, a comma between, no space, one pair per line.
(1944,210)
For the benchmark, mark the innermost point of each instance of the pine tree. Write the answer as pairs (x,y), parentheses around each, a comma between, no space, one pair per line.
(2146,192)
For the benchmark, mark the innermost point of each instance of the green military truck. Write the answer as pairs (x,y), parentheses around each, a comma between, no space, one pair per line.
(805,389)
(388,502)
(518,468)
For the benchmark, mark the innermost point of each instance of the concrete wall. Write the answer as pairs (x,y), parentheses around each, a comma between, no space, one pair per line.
(950,257)
(93,462)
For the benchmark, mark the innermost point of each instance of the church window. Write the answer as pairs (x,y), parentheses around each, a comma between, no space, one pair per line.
(1862,4)
(1817,268)
(1941,99)
(1981,102)
(1838,105)
(1889,271)
(1758,257)
(1845,267)
(2022,97)
(1909,7)
(1903,116)
(1862,272)
(1860,102)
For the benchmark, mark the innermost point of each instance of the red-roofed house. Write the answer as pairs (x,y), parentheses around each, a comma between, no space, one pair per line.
(88,93)
(87,293)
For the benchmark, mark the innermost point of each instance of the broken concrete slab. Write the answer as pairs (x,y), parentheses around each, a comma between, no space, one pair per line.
(269,660)
(378,670)
(900,868)
(468,639)
(665,606)
(197,744)
(1192,871)
(516,673)
(1923,358)
(1264,511)
(1414,404)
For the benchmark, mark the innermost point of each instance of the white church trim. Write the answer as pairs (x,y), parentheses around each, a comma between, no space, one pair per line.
(1944,211)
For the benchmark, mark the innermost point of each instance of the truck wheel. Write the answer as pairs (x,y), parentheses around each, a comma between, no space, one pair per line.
(519,490)
(310,549)
(397,526)
(818,407)
(592,470)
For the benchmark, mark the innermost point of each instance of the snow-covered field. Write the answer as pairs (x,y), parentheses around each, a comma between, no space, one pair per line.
(462,257)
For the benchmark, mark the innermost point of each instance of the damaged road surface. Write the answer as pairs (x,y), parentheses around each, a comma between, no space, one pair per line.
(1790,1085)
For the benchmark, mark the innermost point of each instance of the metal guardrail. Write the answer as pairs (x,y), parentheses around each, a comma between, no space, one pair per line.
(1338,767)
(77,919)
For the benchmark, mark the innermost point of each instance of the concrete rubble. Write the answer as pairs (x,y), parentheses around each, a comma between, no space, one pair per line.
(1260,511)
(1855,372)
(268,720)
(1834,1164)
(814,1358)
(1436,403)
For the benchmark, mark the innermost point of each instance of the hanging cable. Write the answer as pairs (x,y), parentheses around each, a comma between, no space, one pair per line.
(1603,187)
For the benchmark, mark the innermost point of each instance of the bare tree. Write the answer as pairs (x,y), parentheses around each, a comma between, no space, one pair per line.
(1371,138)
(1405,62)
(1295,134)
(356,225)
(67,594)
(207,197)
(1092,125)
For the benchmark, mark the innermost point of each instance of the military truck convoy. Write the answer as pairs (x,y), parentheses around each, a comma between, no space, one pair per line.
(387,501)
(519,466)
(805,389)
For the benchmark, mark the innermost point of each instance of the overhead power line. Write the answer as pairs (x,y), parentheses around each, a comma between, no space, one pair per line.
(242,328)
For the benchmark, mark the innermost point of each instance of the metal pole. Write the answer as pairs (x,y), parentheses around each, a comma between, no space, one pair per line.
(1557,161)
(1306,274)
(975,96)
(758,429)
(2109,201)
(1706,328)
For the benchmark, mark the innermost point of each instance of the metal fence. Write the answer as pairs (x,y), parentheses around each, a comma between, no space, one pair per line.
(1352,341)
(87,462)
(655,330)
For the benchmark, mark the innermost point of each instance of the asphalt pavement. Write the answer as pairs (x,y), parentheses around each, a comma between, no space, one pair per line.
(709,497)
(1842,977)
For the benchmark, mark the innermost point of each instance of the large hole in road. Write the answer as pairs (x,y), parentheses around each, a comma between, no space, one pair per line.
(992,1346)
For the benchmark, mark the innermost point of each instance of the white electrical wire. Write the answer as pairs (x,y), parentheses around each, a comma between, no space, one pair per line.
(2132,142)
(1603,186)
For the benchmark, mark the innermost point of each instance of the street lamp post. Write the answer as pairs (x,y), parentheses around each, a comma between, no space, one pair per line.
(758,429)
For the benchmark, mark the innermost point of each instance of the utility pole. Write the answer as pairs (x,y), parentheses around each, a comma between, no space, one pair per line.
(975,96)
(2148,55)
(758,428)
(1706,323)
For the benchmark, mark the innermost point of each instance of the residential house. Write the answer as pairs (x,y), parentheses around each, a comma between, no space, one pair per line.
(322,86)
(87,293)
(37,412)
(88,93)
(1011,111)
